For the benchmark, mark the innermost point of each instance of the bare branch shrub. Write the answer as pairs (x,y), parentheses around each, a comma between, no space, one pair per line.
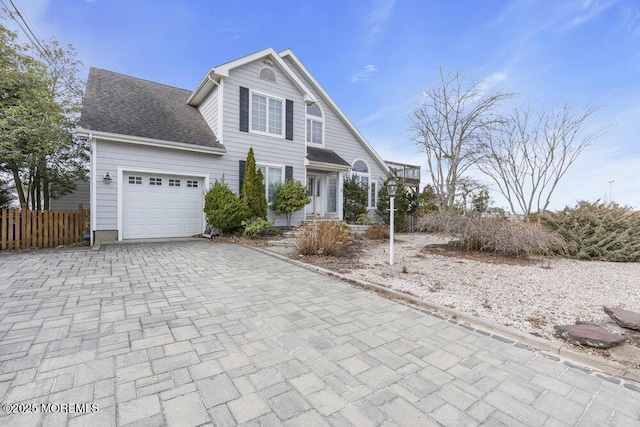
(598,231)
(493,234)
(377,232)
(329,238)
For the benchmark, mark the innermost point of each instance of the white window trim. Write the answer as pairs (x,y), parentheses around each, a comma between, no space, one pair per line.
(266,177)
(370,182)
(284,114)
(308,117)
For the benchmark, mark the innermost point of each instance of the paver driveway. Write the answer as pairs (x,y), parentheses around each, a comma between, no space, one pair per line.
(197,333)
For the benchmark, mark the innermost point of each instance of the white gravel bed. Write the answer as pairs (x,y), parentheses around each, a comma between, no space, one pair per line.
(531,298)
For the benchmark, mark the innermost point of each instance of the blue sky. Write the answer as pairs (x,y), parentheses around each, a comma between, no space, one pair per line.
(375,57)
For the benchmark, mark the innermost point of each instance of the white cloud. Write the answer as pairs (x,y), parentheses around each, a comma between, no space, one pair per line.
(387,110)
(631,21)
(378,17)
(364,75)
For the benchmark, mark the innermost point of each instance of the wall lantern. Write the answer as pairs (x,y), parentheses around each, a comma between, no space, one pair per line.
(107,178)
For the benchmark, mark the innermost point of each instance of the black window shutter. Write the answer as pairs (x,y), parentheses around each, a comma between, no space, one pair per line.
(244,109)
(288,173)
(241,176)
(289,120)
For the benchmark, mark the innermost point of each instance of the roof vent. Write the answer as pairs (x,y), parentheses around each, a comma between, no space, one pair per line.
(267,74)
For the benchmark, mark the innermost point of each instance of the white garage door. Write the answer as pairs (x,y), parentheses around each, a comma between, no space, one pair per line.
(161,206)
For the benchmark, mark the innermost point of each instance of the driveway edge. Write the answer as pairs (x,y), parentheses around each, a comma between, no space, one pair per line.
(496,330)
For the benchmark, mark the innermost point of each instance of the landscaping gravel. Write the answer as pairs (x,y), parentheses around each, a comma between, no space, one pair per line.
(531,298)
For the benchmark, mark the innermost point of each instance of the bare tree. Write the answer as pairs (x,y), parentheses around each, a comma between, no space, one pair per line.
(448,125)
(528,153)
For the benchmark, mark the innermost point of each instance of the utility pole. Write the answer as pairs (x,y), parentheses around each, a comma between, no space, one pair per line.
(611,190)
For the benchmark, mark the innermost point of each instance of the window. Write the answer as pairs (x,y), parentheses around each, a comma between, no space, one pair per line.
(174,183)
(273,177)
(192,184)
(136,180)
(315,123)
(361,172)
(155,181)
(266,114)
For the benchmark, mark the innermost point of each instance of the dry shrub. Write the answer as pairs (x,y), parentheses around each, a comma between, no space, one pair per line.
(329,238)
(598,231)
(493,234)
(377,232)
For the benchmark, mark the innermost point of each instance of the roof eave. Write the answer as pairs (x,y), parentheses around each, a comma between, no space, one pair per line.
(326,166)
(341,115)
(130,139)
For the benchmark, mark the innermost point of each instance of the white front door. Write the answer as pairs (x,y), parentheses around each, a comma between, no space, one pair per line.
(314,190)
(156,205)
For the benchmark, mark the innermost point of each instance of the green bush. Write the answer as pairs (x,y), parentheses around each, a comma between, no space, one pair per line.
(258,227)
(253,188)
(363,219)
(289,197)
(355,200)
(493,234)
(597,231)
(403,204)
(224,209)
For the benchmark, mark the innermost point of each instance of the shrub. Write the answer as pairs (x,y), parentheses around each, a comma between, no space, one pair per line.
(403,204)
(597,231)
(377,232)
(355,200)
(288,198)
(363,219)
(224,209)
(493,234)
(258,227)
(253,188)
(329,238)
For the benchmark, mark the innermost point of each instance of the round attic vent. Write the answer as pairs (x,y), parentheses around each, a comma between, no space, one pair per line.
(267,74)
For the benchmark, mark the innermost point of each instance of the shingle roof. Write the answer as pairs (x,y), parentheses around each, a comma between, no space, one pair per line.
(323,155)
(121,104)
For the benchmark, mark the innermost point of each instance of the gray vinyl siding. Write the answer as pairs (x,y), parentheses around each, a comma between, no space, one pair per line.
(111,155)
(269,150)
(338,137)
(71,202)
(209,110)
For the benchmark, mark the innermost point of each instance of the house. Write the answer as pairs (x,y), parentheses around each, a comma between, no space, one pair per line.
(409,173)
(156,149)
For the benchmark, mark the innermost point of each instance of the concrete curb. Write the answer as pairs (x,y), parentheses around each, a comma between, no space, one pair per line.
(589,362)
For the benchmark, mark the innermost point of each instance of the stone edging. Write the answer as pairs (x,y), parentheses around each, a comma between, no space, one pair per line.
(494,329)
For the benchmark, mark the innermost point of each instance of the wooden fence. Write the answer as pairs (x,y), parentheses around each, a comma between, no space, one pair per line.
(23,228)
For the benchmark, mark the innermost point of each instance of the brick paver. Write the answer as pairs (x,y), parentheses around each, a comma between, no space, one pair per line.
(189,333)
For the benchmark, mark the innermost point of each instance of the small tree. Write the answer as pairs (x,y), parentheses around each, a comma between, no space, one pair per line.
(402,204)
(427,201)
(355,200)
(224,209)
(5,194)
(289,197)
(253,188)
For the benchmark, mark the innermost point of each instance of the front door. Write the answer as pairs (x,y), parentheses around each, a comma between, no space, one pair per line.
(314,190)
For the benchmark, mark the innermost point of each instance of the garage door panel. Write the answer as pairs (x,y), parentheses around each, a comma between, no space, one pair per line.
(161,210)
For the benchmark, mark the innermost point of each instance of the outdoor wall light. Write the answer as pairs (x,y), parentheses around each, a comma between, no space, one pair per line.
(107,178)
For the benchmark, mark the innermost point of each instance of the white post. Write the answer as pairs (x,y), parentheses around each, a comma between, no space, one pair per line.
(391,227)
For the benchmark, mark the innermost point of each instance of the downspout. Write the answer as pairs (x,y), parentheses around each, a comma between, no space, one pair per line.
(220,115)
(92,192)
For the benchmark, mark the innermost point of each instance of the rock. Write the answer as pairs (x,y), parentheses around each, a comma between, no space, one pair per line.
(589,334)
(625,318)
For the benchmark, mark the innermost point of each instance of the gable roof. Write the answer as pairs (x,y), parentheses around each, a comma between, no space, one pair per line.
(222,71)
(115,103)
(334,106)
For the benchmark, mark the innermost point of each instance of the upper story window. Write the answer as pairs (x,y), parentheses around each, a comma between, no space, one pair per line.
(315,124)
(267,114)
